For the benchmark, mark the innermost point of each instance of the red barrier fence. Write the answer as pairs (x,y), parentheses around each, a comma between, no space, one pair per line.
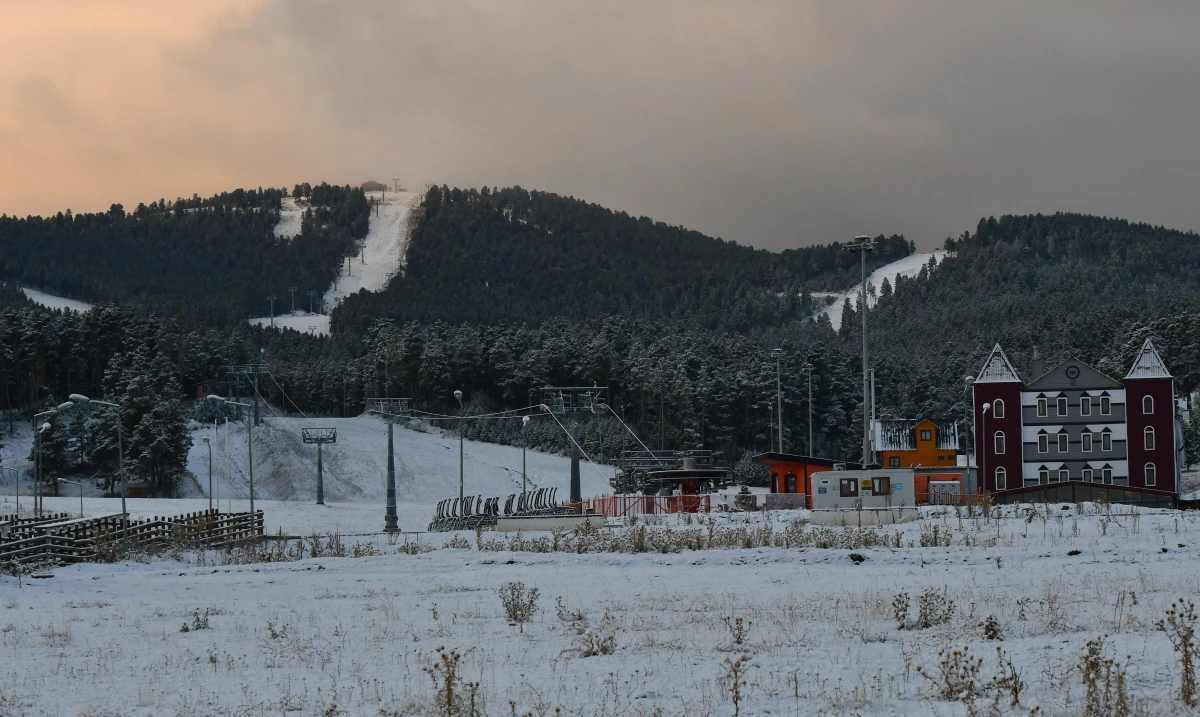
(619,506)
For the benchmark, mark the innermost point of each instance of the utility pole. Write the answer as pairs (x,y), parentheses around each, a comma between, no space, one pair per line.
(860,246)
(390,409)
(461,478)
(319,436)
(779,396)
(251,370)
(292,289)
(873,415)
(809,369)
(312,297)
(271,299)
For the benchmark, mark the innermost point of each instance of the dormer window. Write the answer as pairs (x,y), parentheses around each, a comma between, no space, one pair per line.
(1085,406)
(1043,475)
(1148,404)
(1042,411)
(926,435)
(1105,406)
(1106,441)
(1062,442)
(1062,405)
(1043,443)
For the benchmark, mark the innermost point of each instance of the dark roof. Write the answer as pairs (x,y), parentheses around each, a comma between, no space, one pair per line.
(772,456)
(900,434)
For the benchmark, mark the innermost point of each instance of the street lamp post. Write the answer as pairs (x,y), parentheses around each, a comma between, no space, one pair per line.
(862,245)
(78,398)
(979,458)
(778,353)
(524,443)
(210,485)
(458,395)
(80,484)
(37,482)
(249,445)
(17,483)
(809,369)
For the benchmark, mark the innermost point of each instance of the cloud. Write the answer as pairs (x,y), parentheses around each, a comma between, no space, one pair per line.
(774,123)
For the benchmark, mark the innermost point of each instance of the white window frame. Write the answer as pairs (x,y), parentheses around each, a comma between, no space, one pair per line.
(1086,441)
(1085,406)
(1062,406)
(1043,443)
(1087,474)
(1043,476)
(1001,479)
(998,443)
(1151,475)
(1106,476)
(1064,475)
(998,408)
(1147,404)
(1105,406)
(1043,409)
(1063,442)
(1106,441)
(1148,438)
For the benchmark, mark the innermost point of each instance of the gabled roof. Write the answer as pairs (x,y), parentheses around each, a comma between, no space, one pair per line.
(997,369)
(1148,364)
(900,434)
(1071,375)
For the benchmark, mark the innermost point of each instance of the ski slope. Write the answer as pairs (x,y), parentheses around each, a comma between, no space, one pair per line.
(909,266)
(381,258)
(54,302)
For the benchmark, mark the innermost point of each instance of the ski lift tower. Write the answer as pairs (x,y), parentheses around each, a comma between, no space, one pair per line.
(573,403)
(320,436)
(390,409)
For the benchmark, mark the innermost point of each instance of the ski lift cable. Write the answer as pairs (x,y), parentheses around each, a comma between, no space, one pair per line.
(591,462)
(627,428)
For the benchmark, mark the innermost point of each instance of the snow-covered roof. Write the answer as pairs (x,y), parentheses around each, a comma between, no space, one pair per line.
(900,434)
(997,369)
(1148,364)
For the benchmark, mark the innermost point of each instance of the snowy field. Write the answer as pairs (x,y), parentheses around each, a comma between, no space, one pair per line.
(619,632)
(908,266)
(382,257)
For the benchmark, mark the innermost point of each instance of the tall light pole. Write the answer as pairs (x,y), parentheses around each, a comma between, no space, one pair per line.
(524,443)
(970,382)
(210,486)
(860,246)
(458,395)
(37,483)
(390,409)
(249,445)
(80,484)
(17,483)
(809,369)
(78,398)
(778,354)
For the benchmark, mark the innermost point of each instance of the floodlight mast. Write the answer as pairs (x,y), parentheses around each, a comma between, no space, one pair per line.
(249,445)
(79,398)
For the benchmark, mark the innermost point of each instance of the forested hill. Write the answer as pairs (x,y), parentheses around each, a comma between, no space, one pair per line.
(210,260)
(516,256)
(1078,285)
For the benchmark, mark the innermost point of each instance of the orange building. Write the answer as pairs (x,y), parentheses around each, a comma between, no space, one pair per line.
(923,443)
(792,473)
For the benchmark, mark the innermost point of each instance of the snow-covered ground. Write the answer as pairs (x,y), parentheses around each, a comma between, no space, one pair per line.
(54,302)
(621,633)
(382,257)
(355,472)
(908,266)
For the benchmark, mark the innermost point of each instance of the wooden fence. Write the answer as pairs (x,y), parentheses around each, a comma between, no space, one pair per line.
(60,539)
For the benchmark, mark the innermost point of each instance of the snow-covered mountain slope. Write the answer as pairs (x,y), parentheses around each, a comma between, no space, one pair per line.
(54,302)
(382,257)
(908,266)
(356,466)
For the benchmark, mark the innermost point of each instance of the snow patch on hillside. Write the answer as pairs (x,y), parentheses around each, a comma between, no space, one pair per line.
(54,302)
(290,216)
(909,266)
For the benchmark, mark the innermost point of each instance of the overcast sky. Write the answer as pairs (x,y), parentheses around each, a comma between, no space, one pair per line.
(776,124)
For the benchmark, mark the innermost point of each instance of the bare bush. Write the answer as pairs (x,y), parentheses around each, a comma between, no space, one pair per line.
(520,603)
(452,696)
(1104,682)
(738,628)
(958,675)
(1180,627)
(933,608)
(733,681)
(900,610)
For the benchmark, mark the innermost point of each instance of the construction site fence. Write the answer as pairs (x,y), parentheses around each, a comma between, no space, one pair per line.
(58,539)
(621,506)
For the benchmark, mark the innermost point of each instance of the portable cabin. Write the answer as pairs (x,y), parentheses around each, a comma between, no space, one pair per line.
(852,490)
(792,474)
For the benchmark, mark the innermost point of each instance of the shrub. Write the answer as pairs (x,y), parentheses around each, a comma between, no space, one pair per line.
(519,603)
